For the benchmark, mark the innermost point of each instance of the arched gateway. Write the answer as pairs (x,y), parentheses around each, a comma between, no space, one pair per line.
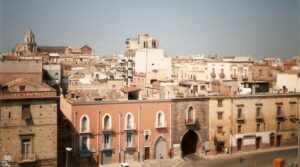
(189,143)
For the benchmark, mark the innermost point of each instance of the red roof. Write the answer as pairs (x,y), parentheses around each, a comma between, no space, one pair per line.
(130,89)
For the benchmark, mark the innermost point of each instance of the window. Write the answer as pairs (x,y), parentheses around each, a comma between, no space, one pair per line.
(9,115)
(279,111)
(22,88)
(190,114)
(220,129)
(160,119)
(240,113)
(107,122)
(278,125)
(107,140)
(258,127)
(26,112)
(220,103)
(25,149)
(84,139)
(258,111)
(129,139)
(129,121)
(239,129)
(147,135)
(220,115)
(84,124)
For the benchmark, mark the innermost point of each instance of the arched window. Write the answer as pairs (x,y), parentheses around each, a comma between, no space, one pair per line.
(190,115)
(129,123)
(160,119)
(84,124)
(106,122)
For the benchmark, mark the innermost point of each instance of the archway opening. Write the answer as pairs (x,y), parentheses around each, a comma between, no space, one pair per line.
(189,143)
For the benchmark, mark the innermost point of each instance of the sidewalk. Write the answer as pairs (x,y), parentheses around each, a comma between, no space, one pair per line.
(248,152)
(151,163)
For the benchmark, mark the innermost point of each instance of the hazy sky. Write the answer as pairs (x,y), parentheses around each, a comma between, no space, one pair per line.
(260,28)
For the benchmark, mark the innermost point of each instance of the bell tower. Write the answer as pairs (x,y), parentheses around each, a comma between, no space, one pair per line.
(29,42)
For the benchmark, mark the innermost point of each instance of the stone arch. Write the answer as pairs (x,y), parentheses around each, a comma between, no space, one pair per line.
(189,143)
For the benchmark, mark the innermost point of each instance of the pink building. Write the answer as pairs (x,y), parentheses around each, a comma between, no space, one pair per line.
(113,132)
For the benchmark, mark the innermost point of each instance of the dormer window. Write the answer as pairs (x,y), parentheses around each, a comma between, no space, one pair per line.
(22,88)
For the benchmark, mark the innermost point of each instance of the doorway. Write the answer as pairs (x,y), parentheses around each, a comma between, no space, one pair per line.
(189,143)
(278,140)
(239,144)
(147,153)
(258,142)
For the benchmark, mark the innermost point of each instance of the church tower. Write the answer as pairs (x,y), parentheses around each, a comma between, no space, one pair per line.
(29,42)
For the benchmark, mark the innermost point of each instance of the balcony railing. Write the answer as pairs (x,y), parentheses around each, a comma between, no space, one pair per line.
(191,121)
(26,158)
(279,116)
(130,127)
(240,118)
(259,117)
(159,125)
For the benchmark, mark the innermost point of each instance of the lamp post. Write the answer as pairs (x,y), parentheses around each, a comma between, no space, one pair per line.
(297,121)
(68,149)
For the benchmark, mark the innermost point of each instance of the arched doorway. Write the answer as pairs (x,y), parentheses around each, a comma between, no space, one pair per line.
(160,148)
(189,143)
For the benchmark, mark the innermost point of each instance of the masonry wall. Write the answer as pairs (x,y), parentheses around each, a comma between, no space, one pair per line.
(43,130)
(180,128)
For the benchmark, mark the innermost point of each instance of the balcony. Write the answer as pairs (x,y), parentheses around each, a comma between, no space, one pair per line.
(222,75)
(280,117)
(233,76)
(107,146)
(26,158)
(130,127)
(259,117)
(213,75)
(191,121)
(240,118)
(160,125)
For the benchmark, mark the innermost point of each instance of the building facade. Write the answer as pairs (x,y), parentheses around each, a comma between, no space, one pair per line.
(112,132)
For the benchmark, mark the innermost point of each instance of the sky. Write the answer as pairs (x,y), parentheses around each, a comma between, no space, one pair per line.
(258,28)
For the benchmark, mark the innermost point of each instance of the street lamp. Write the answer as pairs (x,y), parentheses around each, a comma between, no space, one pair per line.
(68,149)
(297,121)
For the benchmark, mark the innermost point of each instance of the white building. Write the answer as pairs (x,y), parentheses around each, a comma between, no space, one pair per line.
(290,81)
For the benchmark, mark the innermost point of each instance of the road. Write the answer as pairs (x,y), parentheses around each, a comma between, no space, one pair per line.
(258,159)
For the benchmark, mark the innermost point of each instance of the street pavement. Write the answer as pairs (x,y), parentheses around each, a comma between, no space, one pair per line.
(253,159)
